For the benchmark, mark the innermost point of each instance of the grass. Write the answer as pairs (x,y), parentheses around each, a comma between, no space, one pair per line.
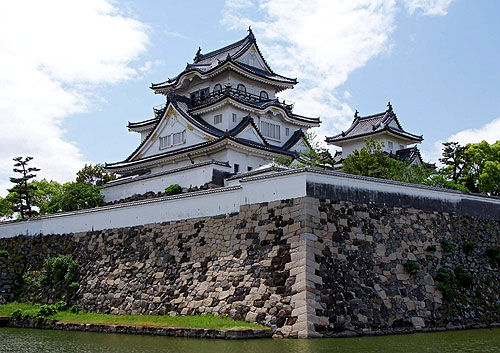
(203,321)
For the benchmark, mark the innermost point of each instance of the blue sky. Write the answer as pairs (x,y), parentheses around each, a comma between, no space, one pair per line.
(74,74)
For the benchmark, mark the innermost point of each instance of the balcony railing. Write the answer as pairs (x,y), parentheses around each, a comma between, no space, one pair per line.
(241,95)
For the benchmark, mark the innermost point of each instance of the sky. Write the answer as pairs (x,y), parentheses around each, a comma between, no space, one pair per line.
(73,73)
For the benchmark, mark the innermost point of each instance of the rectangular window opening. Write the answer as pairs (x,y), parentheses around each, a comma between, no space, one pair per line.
(236,167)
(287,131)
(217,119)
(270,130)
(234,117)
(249,169)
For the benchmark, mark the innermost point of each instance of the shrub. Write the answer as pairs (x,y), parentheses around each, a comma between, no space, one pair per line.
(411,267)
(493,254)
(4,253)
(463,277)
(61,305)
(469,247)
(446,246)
(173,189)
(431,248)
(47,310)
(17,315)
(74,286)
(58,268)
(75,309)
(447,291)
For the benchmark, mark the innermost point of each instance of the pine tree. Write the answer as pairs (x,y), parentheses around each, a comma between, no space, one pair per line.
(22,191)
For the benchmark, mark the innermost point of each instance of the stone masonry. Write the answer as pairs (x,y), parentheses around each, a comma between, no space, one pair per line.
(306,267)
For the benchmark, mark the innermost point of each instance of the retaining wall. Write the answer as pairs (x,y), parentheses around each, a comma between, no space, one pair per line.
(328,264)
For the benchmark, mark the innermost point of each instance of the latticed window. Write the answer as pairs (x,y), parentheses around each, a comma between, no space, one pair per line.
(242,88)
(270,130)
(173,139)
(217,119)
(218,87)
(264,95)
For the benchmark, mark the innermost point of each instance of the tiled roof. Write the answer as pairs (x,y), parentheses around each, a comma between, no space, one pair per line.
(204,63)
(372,124)
(409,154)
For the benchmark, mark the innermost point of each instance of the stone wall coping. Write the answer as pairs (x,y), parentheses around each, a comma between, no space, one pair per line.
(128,204)
(370,179)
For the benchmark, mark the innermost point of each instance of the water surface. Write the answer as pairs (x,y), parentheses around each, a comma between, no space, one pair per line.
(31,340)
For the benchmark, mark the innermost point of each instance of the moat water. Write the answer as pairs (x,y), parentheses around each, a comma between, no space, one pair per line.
(31,340)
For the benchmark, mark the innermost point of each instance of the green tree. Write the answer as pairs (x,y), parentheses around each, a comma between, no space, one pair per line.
(44,192)
(21,193)
(5,208)
(454,160)
(75,196)
(94,175)
(372,161)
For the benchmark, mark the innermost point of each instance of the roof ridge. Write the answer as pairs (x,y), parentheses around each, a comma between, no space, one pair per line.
(201,56)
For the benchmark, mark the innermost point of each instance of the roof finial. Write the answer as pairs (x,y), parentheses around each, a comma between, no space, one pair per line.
(356,114)
(389,106)
(198,53)
(250,32)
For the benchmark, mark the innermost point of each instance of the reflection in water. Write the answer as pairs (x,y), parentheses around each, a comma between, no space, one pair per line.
(29,340)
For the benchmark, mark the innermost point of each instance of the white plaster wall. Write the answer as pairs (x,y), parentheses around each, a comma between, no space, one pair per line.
(279,186)
(243,159)
(186,178)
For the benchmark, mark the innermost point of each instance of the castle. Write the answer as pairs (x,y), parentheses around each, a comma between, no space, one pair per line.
(222,119)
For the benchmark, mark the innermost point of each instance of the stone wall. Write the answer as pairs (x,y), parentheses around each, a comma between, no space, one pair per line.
(9,269)
(307,267)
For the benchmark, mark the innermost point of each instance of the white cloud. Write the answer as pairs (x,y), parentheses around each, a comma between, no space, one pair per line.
(428,7)
(321,42)
(489,132)
(51,54)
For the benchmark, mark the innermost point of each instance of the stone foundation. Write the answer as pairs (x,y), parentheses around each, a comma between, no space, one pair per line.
(306,267)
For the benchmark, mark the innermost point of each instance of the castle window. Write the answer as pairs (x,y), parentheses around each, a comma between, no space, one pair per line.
(249,169)
(217,119)
(242,88)
(218,87)
(287,131)
(264,95)
(178,138)
(270,130)
(165,141)
(234,117)
(391,145)
(236,167)
(173,139)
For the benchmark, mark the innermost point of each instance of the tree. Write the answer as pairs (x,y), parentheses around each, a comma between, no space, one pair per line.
(454,160)
(75,196)
(94,175)
(22,191)
(372,161)
(5,208)
(44,192)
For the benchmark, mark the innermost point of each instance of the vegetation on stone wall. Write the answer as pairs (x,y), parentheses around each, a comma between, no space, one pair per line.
(173,189)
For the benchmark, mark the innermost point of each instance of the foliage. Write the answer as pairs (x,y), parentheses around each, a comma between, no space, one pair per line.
(75,309)
(47,310)
(74,286)
(371,161)
(21,193)
(463,277)
(173,189)
(4,253)
(431,248)
(75,196)
(493,254)
(61,267)
(438,180)
(412,267)
(95,175)
(476,166)
(44,192)
(469,246)
(5,208)
(446,246)
(314,155)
